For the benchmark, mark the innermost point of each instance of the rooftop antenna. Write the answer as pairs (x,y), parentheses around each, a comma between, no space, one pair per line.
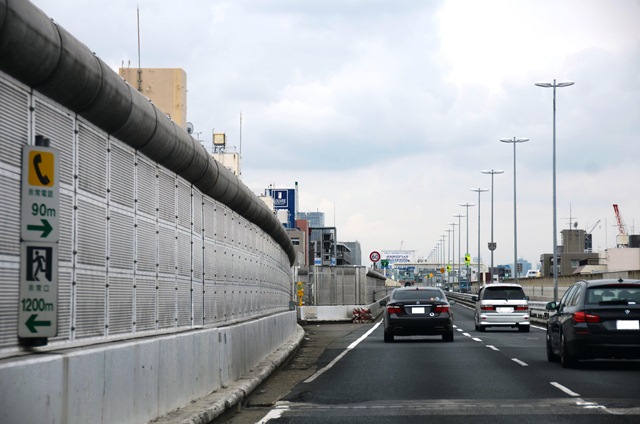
(571,218)
(139,66)
(240,133)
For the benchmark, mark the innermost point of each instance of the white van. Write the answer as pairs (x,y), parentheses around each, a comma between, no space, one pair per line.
(501,305)
(533,273)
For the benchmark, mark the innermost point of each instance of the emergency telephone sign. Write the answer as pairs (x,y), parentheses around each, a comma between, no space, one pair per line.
(39,233)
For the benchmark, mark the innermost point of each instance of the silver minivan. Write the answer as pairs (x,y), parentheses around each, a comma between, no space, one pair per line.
(501,305)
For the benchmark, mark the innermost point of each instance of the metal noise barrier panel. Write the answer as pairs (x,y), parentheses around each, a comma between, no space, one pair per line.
(154,235)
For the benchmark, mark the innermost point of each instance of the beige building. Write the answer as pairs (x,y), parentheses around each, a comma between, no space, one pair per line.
(623,259)
(230,160)
(165,87)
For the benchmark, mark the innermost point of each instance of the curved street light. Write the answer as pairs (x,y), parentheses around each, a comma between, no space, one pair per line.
(492,244)
(459,231)
(448,255)
(515,141)
(467,205)
(554,85)
(479,191)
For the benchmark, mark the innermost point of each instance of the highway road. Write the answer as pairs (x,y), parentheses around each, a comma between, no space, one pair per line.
(499,376)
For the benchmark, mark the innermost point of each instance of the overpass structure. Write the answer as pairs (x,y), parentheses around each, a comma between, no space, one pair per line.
(136,274)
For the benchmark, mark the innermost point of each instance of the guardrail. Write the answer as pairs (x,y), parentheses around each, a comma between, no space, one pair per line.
(537,311)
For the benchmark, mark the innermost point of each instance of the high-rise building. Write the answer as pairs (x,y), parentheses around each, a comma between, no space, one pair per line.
(316,219)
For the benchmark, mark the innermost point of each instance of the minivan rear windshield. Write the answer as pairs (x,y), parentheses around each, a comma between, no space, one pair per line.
(508,293)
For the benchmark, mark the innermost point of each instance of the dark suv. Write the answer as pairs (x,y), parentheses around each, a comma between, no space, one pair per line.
(595,319)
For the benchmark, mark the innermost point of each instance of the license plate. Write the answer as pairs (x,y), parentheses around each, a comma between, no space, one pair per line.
(417,310)
(504,310)
(628,324)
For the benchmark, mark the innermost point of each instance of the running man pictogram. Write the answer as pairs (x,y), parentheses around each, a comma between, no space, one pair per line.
(39,263)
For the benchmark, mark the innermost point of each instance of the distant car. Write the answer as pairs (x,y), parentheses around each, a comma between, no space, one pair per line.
(501,305)
(596,319)
(418,311)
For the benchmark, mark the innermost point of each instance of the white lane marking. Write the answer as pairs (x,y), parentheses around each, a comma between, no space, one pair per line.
(275,413)
(476,339)
(564,389)
(517,361)
(590,405)
(466,334)
(493,347)
(351,346)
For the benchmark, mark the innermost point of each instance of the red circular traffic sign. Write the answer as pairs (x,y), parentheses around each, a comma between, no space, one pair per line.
(374,256)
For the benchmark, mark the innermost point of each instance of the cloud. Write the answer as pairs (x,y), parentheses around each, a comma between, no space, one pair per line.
(388,111)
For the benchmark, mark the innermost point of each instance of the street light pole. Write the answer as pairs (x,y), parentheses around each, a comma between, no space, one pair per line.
(467,205)
(442,256)
(492,244)
(555,220)
(459,231)
(515,141)
(448,255)
(479,190)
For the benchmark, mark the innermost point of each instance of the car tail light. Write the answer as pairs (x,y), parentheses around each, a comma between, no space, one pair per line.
(522,308)
(441,308)
(581,316)
(487,308)
(394,309)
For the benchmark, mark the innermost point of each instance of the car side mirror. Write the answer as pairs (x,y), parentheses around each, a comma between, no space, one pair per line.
(551,306)
(383,303)
(452,302)
(474,298)
(527,298)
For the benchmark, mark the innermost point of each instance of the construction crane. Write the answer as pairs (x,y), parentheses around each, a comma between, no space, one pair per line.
(594,227)
(588,239)
(622,229)
(622,240)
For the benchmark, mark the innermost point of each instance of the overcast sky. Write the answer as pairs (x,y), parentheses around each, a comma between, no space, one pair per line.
(386,112)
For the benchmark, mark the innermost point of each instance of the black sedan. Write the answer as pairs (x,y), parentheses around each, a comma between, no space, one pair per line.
(418,311)
(597,319)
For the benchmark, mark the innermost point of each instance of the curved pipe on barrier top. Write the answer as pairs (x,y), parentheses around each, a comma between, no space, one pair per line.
(76,93)
(141,123)
(29,42)
(44,56)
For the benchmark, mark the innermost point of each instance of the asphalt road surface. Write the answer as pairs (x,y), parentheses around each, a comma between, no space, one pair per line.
(345,373)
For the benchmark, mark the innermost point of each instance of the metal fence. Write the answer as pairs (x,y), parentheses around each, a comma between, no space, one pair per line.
(141,249)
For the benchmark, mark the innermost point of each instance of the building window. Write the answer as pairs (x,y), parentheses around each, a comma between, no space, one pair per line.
(295,241)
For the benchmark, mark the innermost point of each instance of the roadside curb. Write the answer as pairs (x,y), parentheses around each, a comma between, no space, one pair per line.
(206,409)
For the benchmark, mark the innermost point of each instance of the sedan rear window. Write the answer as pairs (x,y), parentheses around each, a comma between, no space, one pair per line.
(508,293)
(418,295)
(617,293)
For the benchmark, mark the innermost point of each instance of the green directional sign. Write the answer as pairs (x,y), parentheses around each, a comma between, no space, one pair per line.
(44,229)
(33,323)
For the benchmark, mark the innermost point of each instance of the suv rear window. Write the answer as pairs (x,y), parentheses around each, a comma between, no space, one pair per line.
(506,293)
(614,293)
(418,295)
